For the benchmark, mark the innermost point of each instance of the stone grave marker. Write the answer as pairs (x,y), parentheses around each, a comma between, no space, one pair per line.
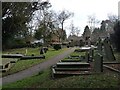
(87,57)
(6,64)
(91,54)
(41,51)
(99,48)
(98,63)
(45,49)
(109,55)
(12,55)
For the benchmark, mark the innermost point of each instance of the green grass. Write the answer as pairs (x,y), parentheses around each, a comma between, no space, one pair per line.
(78,53)
(31,81)
(70,59)
(92,81)
(43,80)
(75,54)
(117,56)
(24,64)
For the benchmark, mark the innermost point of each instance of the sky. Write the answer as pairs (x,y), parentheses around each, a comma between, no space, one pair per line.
(84,8)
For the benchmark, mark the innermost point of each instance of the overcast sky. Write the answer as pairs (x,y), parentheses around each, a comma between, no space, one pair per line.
(83,8)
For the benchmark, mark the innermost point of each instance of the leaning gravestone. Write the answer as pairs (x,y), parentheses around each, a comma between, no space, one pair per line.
(98,63)
(109,55)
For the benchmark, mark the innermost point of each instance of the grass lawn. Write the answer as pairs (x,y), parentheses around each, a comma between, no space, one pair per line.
(117,56)
(78,53)
(24,64)
(43,80)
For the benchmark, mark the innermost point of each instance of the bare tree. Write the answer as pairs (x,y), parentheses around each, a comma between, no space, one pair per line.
(62,17)
(77,31)
(42,16)
(113,18)
(92,21)
(72,28)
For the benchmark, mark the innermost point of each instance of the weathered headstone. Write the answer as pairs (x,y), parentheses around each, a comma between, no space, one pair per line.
(45,49)
(87,57)
(82,58)
(98,63)
(12,55)
(41,51)
(109,55)
(99,48)
(91,54)
(89,42)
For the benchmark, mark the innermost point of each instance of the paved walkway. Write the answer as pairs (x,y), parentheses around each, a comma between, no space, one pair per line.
(35,69)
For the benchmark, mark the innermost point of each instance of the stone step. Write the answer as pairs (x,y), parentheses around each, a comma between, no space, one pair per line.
(70,60)
(73,64)
(72,69)
(58,74)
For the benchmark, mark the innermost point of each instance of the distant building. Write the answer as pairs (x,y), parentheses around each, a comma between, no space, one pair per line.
(58,36)
(37,41)
(75,40)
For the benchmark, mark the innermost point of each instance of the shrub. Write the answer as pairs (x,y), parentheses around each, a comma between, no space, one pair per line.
(67,46)
(57,46)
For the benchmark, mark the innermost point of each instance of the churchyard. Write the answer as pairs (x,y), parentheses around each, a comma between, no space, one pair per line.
(87,67)
(89,63)
(48,47)
(16,60)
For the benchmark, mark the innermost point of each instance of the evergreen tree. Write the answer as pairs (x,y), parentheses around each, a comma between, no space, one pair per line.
(116,35)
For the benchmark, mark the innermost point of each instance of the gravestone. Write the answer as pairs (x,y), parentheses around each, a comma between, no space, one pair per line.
(109,55)
(86,57)
(6,64)
(98,63)
(91,54)
(45,49)
(72,65)
(12,55)
(99,48)
(41,51)
(82,58)
(32,57)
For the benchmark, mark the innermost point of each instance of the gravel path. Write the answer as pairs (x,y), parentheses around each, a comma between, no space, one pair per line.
(35,69)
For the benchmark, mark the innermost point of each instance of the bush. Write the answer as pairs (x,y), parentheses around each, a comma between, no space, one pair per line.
(57,46)
(68,46)
(17,43)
